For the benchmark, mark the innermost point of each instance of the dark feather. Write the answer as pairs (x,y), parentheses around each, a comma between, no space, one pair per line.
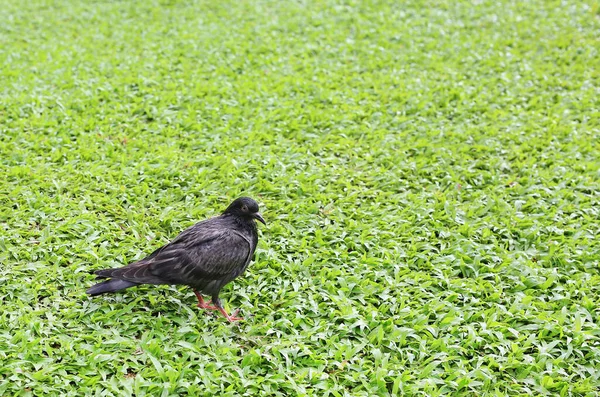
(109,286)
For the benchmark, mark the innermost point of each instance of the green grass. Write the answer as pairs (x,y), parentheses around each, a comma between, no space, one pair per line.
(429,172)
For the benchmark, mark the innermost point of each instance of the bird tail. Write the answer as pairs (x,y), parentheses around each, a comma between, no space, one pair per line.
(109,286)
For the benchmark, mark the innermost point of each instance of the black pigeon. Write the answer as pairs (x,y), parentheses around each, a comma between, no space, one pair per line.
(205,256)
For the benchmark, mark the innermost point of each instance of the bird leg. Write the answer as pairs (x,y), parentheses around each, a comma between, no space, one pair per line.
(231,318)
(202,304)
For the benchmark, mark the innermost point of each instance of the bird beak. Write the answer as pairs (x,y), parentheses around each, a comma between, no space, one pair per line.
(259,218)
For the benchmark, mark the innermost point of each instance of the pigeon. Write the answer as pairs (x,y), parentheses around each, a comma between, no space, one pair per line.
(206,256)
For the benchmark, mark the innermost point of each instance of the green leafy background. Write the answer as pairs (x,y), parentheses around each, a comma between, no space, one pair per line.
(429,172)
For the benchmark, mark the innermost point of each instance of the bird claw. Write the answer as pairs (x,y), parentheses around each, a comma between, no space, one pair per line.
(208,306)
(202,304)
(231,318)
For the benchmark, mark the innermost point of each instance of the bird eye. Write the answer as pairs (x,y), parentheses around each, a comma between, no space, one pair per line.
(245,208)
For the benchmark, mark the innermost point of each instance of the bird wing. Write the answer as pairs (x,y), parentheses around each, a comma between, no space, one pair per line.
(196,255)
(221,254)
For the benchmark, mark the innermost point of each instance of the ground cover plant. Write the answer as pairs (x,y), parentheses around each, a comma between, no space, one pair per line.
(428,172)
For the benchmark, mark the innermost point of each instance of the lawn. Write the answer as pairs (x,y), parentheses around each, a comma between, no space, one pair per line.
(429,173)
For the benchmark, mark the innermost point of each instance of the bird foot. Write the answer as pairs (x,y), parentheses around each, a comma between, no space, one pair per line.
(202,304)
(231,318)
(208,306)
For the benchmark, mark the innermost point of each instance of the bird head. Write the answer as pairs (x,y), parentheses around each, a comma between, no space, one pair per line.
(246,208)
